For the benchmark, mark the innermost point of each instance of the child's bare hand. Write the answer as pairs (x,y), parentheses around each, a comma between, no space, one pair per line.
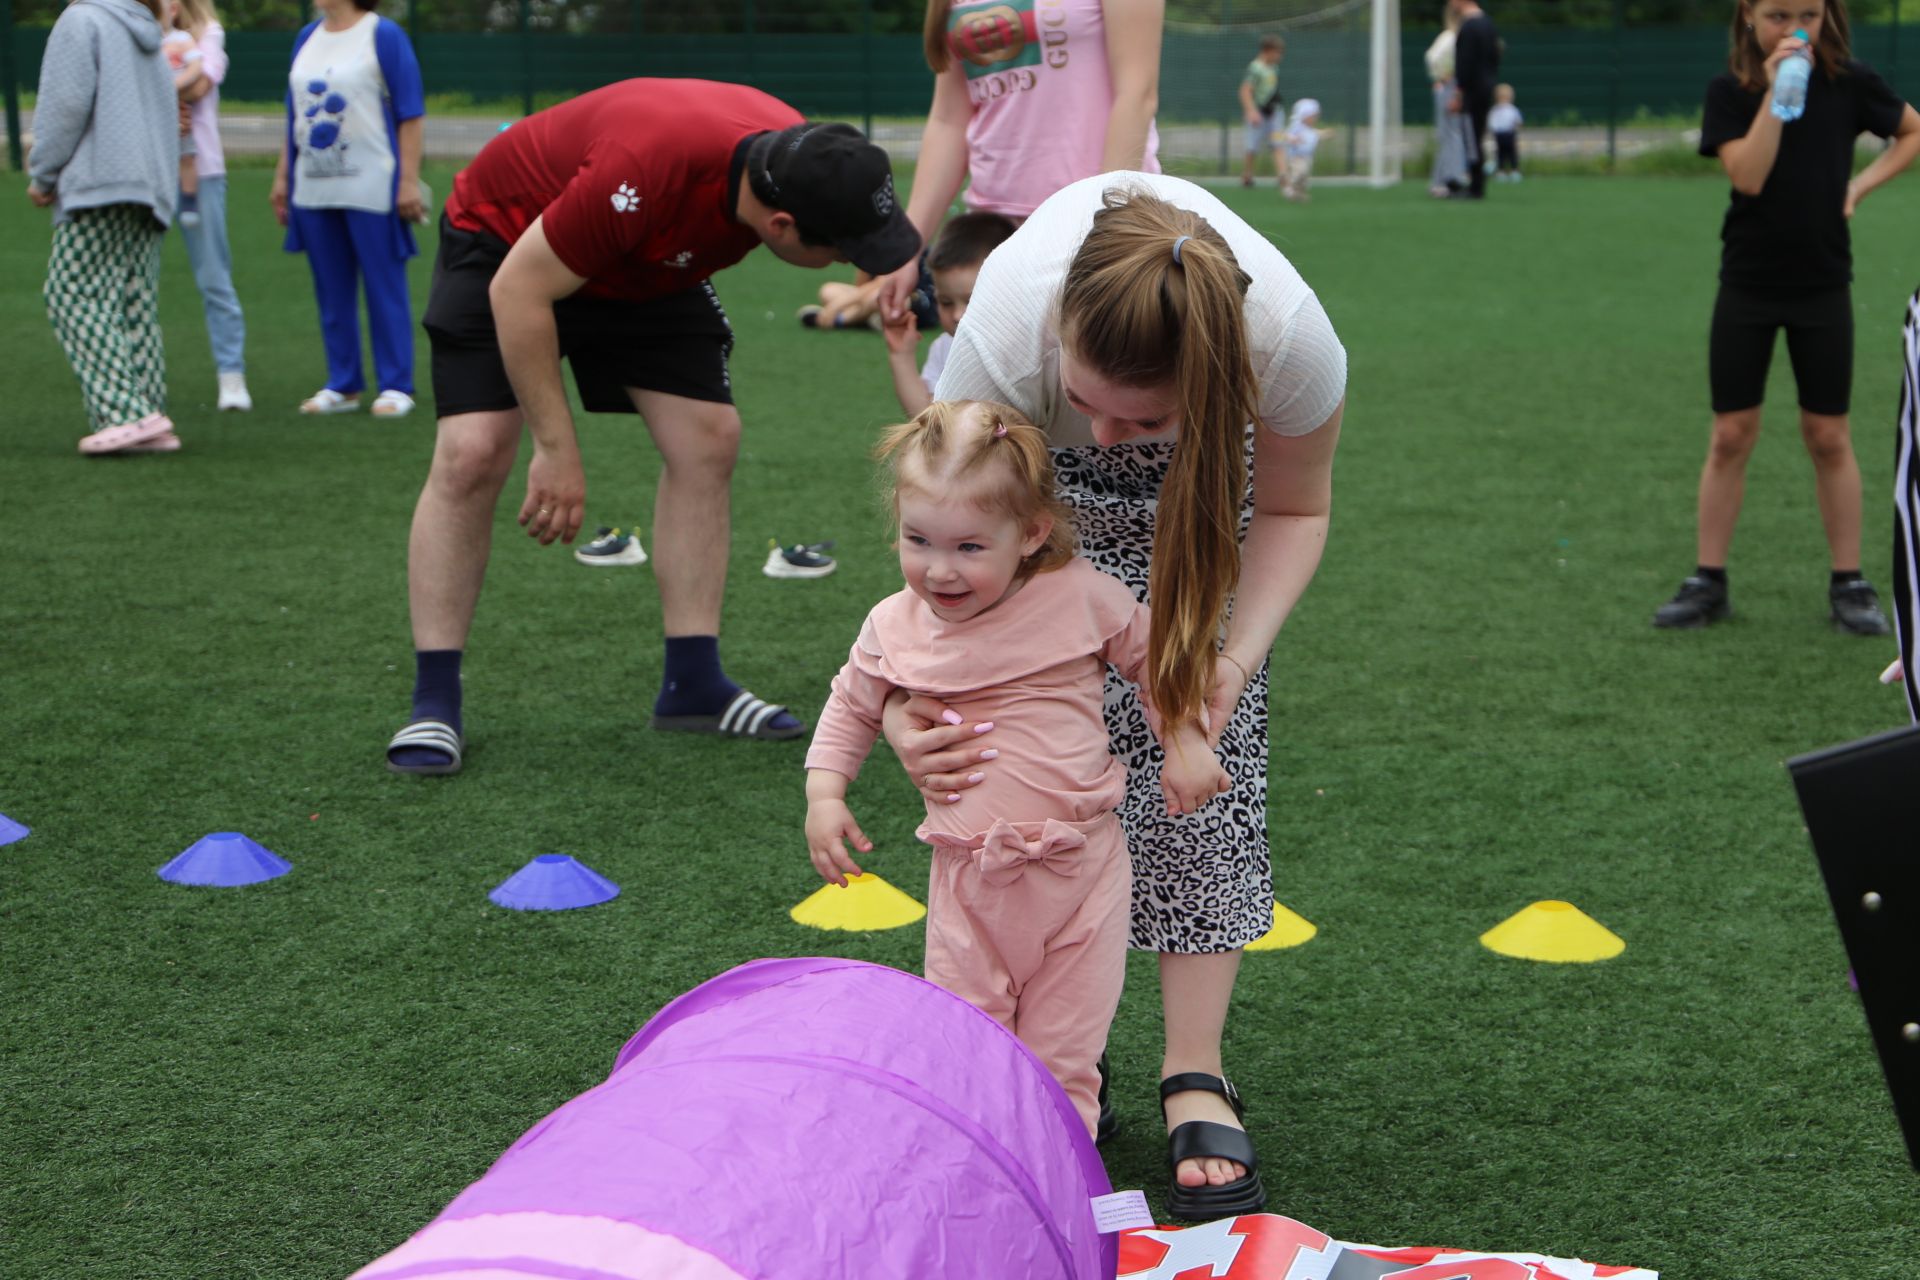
(1192,776)
(829,823)
(903,336)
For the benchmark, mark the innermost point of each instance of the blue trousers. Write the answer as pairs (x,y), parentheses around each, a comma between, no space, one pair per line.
(343,247)
(212,263)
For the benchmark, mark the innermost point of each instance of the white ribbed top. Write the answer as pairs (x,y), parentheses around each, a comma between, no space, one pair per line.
(1008,348)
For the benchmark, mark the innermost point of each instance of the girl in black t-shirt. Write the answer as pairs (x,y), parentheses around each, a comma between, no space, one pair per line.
(1787,263)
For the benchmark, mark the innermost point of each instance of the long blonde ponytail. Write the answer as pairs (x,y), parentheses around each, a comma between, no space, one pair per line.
(1141,318)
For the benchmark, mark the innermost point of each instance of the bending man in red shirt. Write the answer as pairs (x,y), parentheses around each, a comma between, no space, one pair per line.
(588,231)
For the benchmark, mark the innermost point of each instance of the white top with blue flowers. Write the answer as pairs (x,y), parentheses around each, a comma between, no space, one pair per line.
(344,156)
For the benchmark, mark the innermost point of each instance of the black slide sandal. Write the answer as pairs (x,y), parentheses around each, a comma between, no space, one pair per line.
(1204,1139)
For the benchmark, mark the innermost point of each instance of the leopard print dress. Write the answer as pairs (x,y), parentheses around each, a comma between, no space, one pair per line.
(1201,883)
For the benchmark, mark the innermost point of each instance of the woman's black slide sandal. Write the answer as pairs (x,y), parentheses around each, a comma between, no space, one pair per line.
(1202,1140)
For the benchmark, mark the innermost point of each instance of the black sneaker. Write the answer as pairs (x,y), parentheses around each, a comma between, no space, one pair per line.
(1856,608)
(1698,602)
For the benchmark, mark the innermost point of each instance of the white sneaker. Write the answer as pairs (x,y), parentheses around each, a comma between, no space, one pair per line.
(233,393)
(801,560)
(612,547)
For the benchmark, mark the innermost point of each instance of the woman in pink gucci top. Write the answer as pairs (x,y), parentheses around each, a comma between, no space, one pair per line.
(1028,97)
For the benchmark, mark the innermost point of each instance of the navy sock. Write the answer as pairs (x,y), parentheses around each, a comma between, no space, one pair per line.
(436,685)
(1711,574)
(1843,576)
(436,696)
(694,685)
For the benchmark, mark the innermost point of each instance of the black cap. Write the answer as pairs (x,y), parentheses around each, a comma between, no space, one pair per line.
(837,184)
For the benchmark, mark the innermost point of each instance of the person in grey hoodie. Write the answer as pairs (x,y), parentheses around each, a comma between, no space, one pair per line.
(106,157)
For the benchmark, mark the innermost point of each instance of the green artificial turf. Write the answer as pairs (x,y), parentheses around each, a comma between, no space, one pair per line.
(1470,713)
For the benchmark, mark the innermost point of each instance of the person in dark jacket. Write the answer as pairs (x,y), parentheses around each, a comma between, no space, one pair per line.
(105,159)
(1476,68)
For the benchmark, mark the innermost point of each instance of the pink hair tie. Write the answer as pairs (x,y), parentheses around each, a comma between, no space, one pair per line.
(999,430)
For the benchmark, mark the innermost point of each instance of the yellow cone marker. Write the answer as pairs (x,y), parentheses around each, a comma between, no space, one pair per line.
(867,905)
(1289,930)
(1557,932)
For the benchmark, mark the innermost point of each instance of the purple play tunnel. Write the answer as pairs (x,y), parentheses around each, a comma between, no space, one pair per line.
(791,1120)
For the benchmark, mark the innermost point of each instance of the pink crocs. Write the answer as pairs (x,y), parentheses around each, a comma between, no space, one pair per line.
(114,439)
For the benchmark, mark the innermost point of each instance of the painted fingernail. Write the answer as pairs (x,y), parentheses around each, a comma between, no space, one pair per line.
(951,716)
(953,797)
(983,726)
(989,754)
(976,777)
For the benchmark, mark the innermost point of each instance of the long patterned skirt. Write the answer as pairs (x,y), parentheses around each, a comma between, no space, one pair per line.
(1201,883)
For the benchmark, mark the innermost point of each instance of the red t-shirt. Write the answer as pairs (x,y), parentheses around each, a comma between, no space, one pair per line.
(631,182)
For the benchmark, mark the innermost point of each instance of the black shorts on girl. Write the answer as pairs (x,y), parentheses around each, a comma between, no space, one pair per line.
(677,345)
(1819,343)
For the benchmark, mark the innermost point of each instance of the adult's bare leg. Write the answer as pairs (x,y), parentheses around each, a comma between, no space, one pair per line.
(447,553)
(699,442)
(692,528)
(1195,990)
(452,534)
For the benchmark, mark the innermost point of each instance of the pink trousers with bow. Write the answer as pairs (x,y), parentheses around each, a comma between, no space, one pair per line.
(1027,921)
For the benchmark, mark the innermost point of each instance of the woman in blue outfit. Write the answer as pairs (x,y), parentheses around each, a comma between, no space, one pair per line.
(348,189)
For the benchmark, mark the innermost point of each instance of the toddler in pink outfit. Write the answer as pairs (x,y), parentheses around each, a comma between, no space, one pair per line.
(1028,897)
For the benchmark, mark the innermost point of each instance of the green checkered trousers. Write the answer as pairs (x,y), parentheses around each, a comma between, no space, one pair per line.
(103,294)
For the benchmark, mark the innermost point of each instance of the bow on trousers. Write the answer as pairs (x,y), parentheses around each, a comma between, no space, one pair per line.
(1003,853)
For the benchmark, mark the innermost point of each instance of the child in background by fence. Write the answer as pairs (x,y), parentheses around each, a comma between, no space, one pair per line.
(1260,100)
(954,262)
(1302,140)
(183,56)
(1787,263)
(1029,891)
(1504,122)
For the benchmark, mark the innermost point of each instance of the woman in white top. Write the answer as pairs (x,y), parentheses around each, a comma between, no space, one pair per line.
(348,192)
(1170,351)
(1449,129)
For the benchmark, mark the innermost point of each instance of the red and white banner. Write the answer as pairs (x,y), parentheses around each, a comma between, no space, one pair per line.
(1265,1246)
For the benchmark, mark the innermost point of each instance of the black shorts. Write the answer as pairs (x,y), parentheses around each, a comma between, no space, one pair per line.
(678,344)
(1819,342)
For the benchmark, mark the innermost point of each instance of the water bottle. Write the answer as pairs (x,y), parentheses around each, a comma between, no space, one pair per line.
(1790,82)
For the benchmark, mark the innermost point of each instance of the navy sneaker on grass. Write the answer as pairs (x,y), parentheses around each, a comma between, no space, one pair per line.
(801,560)
(1699,601)
(611,546)
(1856,608)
